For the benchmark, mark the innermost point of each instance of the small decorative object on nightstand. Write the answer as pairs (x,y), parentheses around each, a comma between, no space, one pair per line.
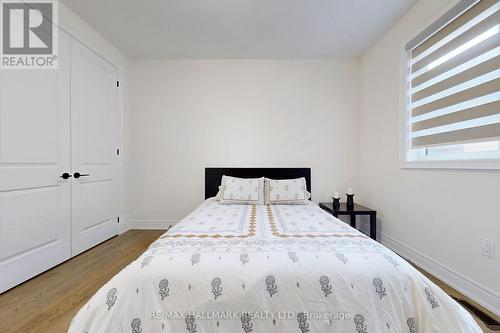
(336,201)
(357,210)
(350,199)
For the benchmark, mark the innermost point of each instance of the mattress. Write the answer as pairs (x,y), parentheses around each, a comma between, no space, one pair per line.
(275,268)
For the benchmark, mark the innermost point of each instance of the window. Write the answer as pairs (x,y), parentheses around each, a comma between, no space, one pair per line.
(453,87)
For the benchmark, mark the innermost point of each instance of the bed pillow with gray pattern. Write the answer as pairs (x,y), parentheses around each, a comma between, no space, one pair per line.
(286,191)
(241,191)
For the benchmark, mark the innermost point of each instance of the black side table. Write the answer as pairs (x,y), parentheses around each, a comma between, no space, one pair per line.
(358,210)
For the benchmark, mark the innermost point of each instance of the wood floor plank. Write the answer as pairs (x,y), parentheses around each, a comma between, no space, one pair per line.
(48,284)
(85,288)
(48,302)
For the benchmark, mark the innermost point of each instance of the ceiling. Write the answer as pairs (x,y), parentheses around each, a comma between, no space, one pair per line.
(241,28)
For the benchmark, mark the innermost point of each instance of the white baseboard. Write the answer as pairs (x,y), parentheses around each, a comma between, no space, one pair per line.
(476,292)
(150,224)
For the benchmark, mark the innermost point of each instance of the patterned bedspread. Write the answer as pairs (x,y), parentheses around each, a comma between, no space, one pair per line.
(242,268)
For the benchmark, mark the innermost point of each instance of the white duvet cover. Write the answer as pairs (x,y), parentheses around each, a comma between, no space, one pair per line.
(244,268)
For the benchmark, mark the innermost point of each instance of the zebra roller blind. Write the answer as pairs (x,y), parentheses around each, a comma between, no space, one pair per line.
(455,77)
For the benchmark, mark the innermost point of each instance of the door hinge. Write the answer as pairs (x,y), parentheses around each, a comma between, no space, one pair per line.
(118,219)
(117,84)
(118,152)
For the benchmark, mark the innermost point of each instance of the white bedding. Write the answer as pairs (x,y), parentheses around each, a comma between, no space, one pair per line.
(243,268)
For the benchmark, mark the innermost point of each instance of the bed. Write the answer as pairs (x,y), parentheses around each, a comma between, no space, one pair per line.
(268,268)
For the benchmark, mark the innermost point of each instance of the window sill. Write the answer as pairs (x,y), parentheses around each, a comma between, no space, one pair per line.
(452,164)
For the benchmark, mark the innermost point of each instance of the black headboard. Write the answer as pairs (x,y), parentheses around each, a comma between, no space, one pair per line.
(213,176)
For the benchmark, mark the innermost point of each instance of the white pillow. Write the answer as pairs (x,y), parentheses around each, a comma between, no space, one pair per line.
(286,191)
(241,191)
(219,192)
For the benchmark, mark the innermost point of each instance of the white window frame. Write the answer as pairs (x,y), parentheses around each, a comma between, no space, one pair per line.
(405,119)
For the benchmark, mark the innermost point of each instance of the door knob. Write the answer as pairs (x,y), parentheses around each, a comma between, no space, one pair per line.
(78,175)
(65,175)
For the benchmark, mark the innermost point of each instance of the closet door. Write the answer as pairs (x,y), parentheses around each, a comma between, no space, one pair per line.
(93,148)
(35,215)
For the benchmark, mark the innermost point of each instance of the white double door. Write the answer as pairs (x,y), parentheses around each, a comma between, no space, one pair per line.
(54,122)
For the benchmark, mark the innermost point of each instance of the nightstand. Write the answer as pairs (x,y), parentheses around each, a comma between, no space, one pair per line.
(358,210)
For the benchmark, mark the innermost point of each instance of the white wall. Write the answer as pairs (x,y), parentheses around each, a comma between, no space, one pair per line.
(192,114)
(435,217)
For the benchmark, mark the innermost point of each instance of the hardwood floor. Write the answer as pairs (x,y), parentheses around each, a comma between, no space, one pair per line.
(48,302)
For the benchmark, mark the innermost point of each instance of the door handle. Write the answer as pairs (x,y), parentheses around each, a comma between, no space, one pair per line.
(65,175)
(78,175)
